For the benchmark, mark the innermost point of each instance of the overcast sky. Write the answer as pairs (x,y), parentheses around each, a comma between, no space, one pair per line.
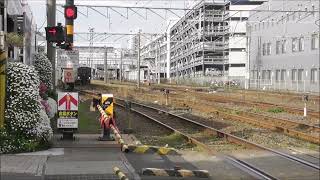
(114,22)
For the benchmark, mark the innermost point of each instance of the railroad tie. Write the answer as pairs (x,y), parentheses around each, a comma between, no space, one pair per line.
(175,172)
(120,174)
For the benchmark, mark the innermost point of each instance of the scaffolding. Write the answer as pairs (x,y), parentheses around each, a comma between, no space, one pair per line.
(199,41)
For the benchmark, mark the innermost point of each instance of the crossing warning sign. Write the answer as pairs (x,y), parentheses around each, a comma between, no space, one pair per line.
(67,110)
(107,103)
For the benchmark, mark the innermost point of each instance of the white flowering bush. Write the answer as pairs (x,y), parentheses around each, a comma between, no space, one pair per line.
(44,68)
(22,113)
(52,106)
(27,125)
(43,128)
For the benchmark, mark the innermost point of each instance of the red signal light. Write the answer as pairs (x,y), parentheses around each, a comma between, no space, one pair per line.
(70,12)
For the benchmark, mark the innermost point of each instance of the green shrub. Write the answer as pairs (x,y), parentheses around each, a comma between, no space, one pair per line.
(276,110)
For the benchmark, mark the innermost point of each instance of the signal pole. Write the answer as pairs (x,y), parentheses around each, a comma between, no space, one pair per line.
(69,25)
(51,51)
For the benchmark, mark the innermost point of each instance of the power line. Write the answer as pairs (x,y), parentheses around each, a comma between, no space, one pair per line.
(184,9)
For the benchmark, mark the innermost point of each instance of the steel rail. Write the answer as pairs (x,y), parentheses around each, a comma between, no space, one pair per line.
(235,139)
(275,124)
(248,167)
(289,109)
(227,136)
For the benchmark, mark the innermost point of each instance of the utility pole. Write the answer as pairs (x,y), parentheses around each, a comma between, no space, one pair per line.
(51,51)
(3,64)
(106,65)
(138,78)
(91,30)
(157,61)
(120,65)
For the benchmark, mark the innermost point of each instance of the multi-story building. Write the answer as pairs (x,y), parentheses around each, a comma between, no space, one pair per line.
(118,60)
(19,23)
(238,44)
(284,46)
(199,41)
(154,56)
(211,40)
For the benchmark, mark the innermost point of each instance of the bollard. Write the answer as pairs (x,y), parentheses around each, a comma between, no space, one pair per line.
(306,99)
(120,174)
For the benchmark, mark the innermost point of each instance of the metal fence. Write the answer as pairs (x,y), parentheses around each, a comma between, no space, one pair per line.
(294,86)
(258,84)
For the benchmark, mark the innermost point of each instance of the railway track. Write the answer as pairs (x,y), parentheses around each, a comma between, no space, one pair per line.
(199,134)
(263,105)
(291,128)
(300,130)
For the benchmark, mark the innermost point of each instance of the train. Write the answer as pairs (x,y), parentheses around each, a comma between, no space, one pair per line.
(84,76)
(71,77)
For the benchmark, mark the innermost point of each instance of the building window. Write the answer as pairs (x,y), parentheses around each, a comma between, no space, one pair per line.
(314,75)
(278,75)
(314,41)
(264,74)
(278,47)
(293,75)
(301,44)
(300,74)
(294,44)
(293,16)
(283,46)
(268,48)
(269,74)
(264,49)
(283,74)
(252,74)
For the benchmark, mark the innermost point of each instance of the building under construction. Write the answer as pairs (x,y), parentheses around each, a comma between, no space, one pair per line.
(199,41)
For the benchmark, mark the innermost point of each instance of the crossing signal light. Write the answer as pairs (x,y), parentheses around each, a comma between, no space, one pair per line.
(55,34)
(70,12)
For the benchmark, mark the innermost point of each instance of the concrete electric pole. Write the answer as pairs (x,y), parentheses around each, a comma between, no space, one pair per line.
(51,51)
(120,65)
(106,65)
(138,78)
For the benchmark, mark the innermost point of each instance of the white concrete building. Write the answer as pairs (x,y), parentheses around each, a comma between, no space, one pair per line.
(155,57)
(284,47)
(238,54)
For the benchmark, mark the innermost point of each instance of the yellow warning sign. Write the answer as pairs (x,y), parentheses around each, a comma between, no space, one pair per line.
(107,104)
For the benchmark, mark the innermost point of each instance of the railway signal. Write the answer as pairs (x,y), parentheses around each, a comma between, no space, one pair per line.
(70,12)
(55,34)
